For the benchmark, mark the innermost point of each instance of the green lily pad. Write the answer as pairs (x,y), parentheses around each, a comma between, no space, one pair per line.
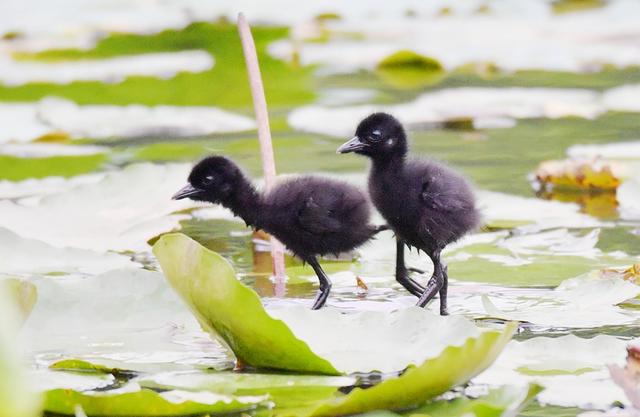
(455,366)
(506,400)
(81,366)
(146,403)
(231,311)
(325,341)
(284,390)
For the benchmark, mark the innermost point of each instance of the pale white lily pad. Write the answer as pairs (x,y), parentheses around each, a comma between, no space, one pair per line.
(163,65)
(27,121)
(20,123)
(615,150)
(122,211)
(628,196)
(587,301)
(545,40)
(499,207)
(46,379)
(42,186)
(572,369)
(623,98)
(43,150)
(421,333)
(477,103)
(126,315)
(31,256)
(103,121)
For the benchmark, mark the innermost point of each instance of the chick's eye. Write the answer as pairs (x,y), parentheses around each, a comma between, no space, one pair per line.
(208,180)
(375,135)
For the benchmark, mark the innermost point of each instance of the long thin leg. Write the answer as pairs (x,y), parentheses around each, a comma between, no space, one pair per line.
(444,311)
(435,283)
(401,272)
(325,284)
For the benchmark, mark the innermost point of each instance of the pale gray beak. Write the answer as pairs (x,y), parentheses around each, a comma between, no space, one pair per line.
(185,192)
(352,145)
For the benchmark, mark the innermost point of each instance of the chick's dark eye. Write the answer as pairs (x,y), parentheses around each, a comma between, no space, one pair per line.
(208,180)
(375,136)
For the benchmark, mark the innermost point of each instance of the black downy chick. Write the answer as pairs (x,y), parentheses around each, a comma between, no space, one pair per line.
(311,216)
(427,204)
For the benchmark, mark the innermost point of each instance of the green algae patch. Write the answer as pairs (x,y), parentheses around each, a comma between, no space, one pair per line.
(224,85)
(16,169)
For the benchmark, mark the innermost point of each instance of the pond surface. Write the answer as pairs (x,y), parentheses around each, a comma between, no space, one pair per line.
(77,219)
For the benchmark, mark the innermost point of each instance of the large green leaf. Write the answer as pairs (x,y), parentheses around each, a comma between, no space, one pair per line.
(231,311)
(455,366)
(146,403)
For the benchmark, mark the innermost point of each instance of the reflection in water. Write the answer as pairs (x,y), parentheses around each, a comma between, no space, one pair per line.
(600,204)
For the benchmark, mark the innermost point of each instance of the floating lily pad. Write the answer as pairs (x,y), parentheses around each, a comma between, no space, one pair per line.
(454,366)
(120,211)
(499,402)
(407,69)
(19,254)
(284,390)
(146,403)
(233,312)
(573,370)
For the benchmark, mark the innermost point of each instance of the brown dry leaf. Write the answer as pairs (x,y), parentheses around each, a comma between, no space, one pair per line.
(632,274)
(592,174)
(361,285)
(633,359)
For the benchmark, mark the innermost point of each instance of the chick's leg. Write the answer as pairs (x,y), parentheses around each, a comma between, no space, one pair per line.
(401,272)
(435,283)
(325,284)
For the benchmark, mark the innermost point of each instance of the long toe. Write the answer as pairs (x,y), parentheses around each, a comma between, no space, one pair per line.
(320,300)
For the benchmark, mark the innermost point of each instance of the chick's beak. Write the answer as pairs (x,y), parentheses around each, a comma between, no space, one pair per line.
(185,192)
(351,145)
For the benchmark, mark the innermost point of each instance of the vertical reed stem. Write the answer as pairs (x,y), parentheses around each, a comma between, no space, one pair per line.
(264,135)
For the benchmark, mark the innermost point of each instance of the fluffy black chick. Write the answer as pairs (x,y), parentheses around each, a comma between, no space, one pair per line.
(311,216)
(427,204)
